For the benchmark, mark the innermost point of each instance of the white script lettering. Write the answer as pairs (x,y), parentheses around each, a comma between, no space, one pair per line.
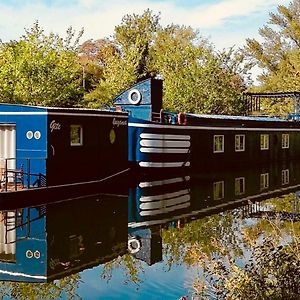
(54,126)
(119,122)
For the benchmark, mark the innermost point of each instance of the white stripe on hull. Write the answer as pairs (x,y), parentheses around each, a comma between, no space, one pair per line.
(163,196)
(149,164)
(162,136)
(163,182)
(165,203)
(163,150)
(165,210)
(165,143)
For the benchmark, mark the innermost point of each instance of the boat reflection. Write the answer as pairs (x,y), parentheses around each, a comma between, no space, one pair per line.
(40,244)
(173,202)
(47,242)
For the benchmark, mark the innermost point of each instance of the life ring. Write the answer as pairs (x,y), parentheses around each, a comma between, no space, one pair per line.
(137,99)
(134,245)
(181,119)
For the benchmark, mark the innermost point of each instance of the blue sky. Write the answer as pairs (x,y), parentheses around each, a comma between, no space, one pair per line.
(224,22)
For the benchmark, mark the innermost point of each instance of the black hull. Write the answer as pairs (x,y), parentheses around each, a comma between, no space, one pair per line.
(116,184)
(164,147)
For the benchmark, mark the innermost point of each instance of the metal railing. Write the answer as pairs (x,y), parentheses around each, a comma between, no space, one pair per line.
(22,173)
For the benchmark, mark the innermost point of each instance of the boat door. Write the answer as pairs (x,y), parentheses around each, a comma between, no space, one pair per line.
(8,146)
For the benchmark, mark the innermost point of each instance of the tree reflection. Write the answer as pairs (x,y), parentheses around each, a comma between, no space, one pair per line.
(63,288)
(268,266)
(199,237)
(131,267)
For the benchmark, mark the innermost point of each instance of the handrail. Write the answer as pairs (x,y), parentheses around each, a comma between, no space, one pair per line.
(22,172)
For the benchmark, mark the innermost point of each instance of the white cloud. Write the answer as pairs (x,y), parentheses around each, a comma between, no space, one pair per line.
(216,14)
(100,17)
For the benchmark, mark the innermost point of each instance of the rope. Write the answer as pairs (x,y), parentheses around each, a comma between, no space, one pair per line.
(93,181)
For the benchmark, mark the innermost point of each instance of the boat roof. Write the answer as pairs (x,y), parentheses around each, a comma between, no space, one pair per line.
(58,109)
(242,118)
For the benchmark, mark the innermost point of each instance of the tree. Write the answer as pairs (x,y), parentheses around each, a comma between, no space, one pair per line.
(279,53)
(126,60)
(41,69)
(196,78)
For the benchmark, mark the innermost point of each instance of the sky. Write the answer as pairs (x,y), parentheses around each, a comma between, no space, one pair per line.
(225,23)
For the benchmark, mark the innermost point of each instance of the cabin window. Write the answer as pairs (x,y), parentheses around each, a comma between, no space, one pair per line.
(218,143)
(218,190)
(285,141)
(264,141)
(240,142)
(76,135)
(239,186)
(285,176)
(264,181)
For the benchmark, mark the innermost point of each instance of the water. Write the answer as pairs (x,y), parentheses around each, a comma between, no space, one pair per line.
(153,242)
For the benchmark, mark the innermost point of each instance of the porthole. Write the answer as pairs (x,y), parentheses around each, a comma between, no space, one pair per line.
(134,96)
(37,254)
(37,135)
(134,245)
(29,134)
(29,254)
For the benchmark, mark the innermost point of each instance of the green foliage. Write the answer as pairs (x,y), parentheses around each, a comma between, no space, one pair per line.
(272,272)
(196,79)
(268,266)
(54,290)
(130,266)
(41,69)
(49,70)
(279,53)
(127,59)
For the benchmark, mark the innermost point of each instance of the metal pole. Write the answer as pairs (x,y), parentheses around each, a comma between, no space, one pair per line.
(6,174)
(83,77)
(28,173)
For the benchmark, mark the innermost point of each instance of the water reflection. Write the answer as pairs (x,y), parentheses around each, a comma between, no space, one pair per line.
(155,201)
(48,242)
(39,244)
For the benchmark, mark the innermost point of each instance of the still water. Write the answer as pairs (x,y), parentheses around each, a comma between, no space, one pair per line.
(157,241)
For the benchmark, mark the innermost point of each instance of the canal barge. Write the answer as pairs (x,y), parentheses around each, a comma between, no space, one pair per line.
(160,140)
(42,146)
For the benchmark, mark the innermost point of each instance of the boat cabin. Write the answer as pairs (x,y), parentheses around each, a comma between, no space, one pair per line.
(53,146)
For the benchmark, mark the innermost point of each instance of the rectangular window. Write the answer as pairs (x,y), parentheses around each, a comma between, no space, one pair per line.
(239,186)
(264,141)
(240,142)
(76,135)
(218,143)
(285,141)
(285,176)
(218,190)
(264,181)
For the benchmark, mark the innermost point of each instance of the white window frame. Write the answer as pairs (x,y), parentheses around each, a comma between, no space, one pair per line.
(285,176)
(80,135)
(285,141)
(264,181)
(264,141)
(221,150)
(239,146)
(218,187)
(237,186)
